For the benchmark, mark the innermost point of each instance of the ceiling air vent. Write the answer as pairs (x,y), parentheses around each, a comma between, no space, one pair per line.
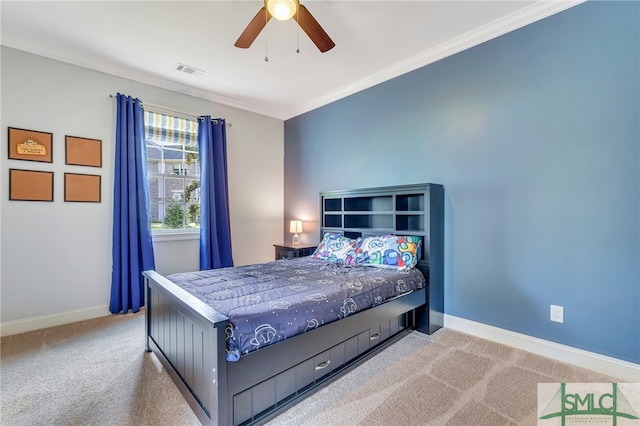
(188,70)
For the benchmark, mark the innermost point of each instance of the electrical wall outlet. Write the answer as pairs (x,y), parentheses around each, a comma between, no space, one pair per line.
(557,313)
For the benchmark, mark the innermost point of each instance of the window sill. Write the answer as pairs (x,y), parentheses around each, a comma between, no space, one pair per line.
(177,235)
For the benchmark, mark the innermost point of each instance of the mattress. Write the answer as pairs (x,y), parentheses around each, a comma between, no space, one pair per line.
(269,302)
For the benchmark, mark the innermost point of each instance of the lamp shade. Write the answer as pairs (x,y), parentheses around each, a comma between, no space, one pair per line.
(295,226)
(282,9)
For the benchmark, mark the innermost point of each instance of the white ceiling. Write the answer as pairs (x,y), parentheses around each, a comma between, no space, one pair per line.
(375,41)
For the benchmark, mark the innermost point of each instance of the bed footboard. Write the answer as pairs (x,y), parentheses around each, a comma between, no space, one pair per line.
(188,337)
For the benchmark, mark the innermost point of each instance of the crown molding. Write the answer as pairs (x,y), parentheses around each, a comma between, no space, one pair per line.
(497,28)
(140,77)
(535,12)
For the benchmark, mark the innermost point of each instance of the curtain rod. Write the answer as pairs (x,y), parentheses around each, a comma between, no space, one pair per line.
(184,114)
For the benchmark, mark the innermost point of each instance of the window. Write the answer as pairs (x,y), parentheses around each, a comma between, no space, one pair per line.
(173,167)
(180,169)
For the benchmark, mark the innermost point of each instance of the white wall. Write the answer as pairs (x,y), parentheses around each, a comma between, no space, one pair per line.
(56,257)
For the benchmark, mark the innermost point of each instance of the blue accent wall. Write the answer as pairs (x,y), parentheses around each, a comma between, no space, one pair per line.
(535,136)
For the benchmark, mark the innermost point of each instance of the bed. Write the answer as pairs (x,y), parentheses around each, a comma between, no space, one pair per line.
(259,376)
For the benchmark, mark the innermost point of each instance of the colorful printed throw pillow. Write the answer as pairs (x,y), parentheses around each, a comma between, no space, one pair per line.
(389,251)
(336,248)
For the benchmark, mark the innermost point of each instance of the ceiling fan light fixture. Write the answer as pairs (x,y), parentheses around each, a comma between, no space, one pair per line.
(282,9)
(294,9)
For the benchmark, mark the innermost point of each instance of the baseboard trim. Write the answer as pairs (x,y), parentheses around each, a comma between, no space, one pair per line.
(624,370)
(613,367)
(35,323)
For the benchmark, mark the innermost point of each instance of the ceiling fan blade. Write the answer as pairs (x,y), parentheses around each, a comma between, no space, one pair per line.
(315,32)
(253,29)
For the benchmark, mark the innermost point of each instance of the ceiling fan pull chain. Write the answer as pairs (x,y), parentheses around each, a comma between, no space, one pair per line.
(266,36)
(266,52)
(298,30)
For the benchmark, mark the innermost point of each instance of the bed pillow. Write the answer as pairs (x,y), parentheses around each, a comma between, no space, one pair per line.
(389,251)
(336,248)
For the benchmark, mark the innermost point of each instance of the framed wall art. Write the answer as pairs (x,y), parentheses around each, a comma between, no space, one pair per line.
(83,151)
(30,145)
(30,185)
(82,188)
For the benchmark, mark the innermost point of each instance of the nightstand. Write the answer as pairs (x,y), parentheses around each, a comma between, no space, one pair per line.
(289,251)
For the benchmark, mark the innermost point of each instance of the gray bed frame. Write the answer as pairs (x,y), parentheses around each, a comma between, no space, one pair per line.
(188,336)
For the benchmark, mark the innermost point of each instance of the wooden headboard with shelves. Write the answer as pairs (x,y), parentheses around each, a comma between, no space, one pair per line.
(416,210)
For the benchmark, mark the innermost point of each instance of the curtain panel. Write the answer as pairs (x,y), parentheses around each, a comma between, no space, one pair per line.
(132,247)
(215,228)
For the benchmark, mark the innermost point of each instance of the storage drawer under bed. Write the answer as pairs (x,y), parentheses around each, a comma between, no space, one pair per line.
(281,388)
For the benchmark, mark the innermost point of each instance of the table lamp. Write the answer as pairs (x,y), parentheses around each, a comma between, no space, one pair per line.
(295,226)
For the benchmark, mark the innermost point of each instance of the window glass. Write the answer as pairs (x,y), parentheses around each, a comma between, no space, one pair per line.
(173,167)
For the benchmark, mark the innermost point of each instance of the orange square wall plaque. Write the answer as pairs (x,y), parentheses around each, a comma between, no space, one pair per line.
(83,151)
(30,185)
(82,188)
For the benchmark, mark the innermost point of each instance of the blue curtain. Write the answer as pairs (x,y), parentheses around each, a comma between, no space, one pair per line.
(132,249)
(215,229)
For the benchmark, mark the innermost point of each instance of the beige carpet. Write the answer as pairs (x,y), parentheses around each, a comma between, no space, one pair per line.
(97,373)
(450,378)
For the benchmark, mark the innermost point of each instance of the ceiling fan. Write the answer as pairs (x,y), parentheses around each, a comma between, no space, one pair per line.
(284,10)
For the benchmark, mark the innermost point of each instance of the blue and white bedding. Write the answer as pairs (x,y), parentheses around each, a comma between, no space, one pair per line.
(270,302)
